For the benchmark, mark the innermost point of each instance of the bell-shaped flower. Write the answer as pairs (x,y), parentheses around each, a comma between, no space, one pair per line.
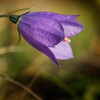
(49,32)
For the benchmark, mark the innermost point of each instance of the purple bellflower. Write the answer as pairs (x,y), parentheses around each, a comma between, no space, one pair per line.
(48,32)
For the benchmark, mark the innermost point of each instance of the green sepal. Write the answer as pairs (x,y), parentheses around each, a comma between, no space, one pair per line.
(14,18)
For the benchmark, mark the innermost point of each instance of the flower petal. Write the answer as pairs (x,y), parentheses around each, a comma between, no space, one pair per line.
(72,27)
(62,51)
(59,17)
(39,46)
(46,31)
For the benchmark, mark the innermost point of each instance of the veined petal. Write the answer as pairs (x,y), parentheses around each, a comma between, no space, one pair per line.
(72,27)
(62,51)
(39,46)
(52,15)
(46,31)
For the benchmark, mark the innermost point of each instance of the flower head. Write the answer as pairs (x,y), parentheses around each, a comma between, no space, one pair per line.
(49,33)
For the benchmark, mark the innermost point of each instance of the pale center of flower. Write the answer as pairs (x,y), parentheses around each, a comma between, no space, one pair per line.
(66,39)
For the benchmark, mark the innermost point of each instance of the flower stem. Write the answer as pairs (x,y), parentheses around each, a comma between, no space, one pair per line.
(7,16)
(18,10)
(9,13)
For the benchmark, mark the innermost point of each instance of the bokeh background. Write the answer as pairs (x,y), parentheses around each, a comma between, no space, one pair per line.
(76,79)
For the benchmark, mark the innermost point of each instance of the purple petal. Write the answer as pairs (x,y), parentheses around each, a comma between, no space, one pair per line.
(62,51)
(46,31)
(72,27)
(39,46)
(59,17)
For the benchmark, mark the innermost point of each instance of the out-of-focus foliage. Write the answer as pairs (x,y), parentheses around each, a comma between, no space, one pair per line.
(77,79)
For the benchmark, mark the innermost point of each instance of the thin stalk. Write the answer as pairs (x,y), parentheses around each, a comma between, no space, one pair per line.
(21,85)
(18,10)
(38,73)
(7,16)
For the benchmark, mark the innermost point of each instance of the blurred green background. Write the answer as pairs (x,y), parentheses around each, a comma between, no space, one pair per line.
(77,79)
